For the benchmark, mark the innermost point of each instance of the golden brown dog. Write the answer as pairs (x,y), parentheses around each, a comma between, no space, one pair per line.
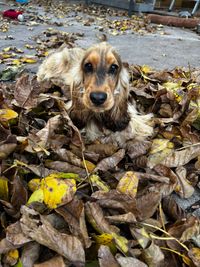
(99,85)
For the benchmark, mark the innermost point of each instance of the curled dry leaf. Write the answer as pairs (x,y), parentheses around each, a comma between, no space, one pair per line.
(137,148)
(26,91)
(96,217)
(62,166)
(37,228)
(110,162)
(73,213)
(172,209)
(122,218)
(181,157)
(147,204)
(100,224)
(67,155)
(106,258)
(7,146)
(130,262)
(153,255)
(184,188)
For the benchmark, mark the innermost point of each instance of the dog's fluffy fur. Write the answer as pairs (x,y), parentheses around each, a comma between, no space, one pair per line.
(98,69)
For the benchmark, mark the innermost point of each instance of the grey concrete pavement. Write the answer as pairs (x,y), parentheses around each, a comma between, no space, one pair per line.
(166,48)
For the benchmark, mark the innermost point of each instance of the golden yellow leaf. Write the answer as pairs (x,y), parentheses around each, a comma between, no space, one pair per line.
(96,181)
(7,114)
(105,239)
(36,196)
(3,188)
(54,190)
(89,165)
(128,184)
(28,60)
(13,254)
(57,191)
(146,69)
(16,62)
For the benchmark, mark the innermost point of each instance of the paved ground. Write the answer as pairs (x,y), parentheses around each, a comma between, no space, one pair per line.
(167,48)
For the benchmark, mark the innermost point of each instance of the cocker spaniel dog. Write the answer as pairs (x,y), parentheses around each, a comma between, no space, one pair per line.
(99,86)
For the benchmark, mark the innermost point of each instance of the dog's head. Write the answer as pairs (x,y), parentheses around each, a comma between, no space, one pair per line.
(104,78)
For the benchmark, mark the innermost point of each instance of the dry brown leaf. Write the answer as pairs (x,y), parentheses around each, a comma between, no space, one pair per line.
(184,188)
(27,91)
(106,258)
(110,162)
(147,204)
(74,215)
(62,166)
(96,217)
(181,157)
(56,261)
(30,254)
(153,255)
(37,228)
(130,262)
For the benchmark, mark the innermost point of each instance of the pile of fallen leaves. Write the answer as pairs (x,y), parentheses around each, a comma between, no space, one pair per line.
(65,202)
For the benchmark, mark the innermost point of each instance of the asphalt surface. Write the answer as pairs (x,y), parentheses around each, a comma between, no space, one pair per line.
(167,48)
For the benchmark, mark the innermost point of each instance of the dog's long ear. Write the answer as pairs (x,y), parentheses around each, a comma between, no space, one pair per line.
(123,82)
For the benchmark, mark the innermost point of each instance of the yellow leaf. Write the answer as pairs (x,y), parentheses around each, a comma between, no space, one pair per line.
(176,89)
(121,242)
(37,196)
(128,184)
(13,254)
(96,181)
(7,49)
(89,165)
(28,46)
(16,62)
(3,188)
(57,191)
(160,144)
(7,114)
(146,69)
(105,239)
(54,190)
(28,60)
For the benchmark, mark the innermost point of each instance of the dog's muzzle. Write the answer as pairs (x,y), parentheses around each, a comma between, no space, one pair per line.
(98,98)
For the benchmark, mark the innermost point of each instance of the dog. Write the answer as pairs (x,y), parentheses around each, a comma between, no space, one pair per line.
(99,86)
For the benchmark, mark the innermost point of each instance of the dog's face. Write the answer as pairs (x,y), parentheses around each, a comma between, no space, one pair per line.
(101,68)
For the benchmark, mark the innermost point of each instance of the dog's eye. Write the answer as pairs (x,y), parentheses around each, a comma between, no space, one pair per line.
(113,69)
(88,68)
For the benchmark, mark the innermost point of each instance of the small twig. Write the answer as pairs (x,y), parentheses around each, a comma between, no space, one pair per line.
(188,146)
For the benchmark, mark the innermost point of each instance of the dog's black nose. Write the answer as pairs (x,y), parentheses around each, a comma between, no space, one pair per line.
(98,98)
